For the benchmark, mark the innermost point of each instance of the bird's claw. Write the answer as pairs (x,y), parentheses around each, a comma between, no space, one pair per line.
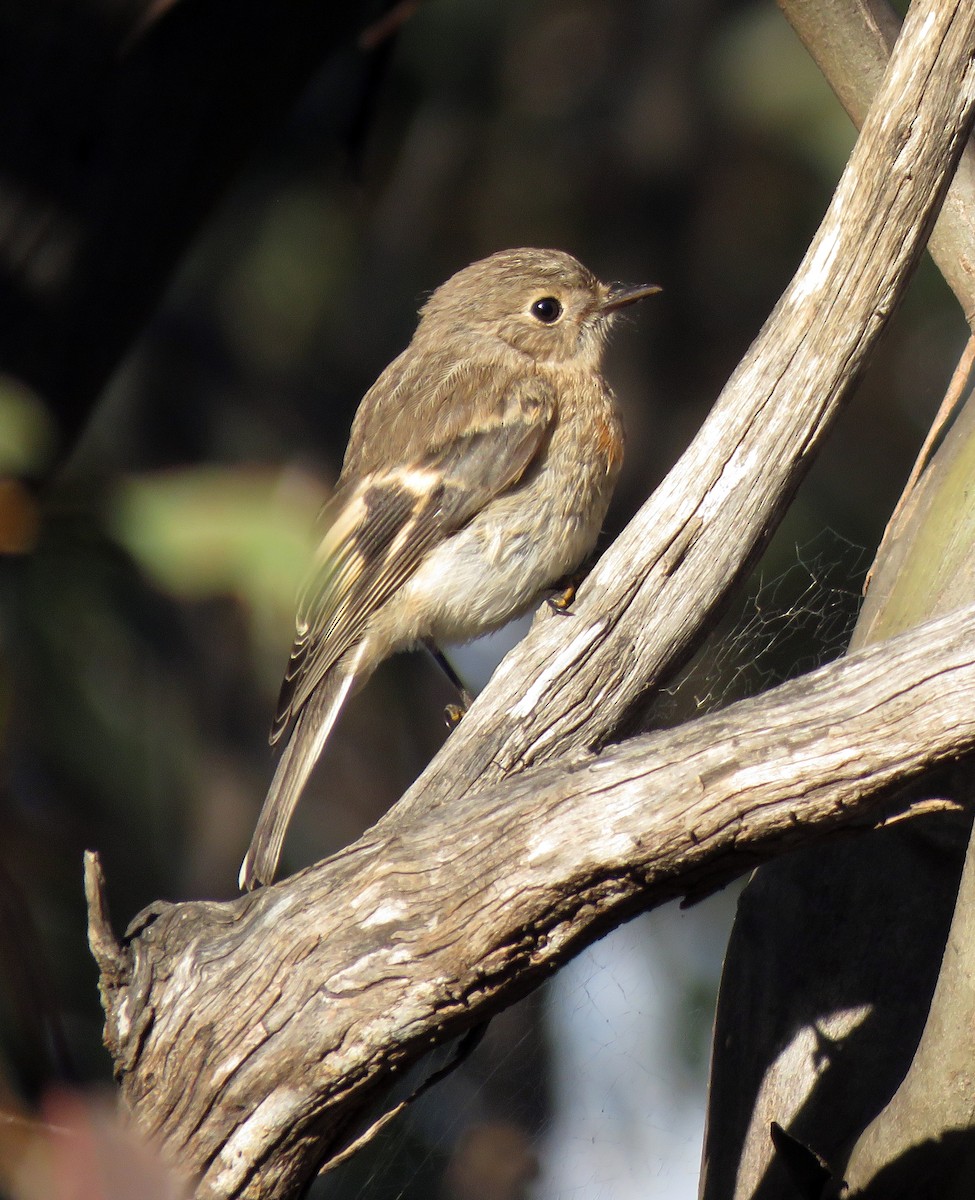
(562,601)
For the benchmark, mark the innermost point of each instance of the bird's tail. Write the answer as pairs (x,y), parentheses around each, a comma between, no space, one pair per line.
(306,743)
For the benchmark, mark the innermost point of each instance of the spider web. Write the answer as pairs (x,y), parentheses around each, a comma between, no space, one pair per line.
(793,617)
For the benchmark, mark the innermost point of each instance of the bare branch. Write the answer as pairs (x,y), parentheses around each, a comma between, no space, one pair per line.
(850,41)
(423,930)
(102,942)
(797,1047)
(643,609)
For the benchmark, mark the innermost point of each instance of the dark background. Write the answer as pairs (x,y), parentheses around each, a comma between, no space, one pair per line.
(687,143)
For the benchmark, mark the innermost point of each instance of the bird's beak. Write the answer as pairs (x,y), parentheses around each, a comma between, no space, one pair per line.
(619,295)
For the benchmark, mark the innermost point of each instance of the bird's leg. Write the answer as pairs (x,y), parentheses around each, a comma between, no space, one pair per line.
(565,591)
(561,602)
(453,712)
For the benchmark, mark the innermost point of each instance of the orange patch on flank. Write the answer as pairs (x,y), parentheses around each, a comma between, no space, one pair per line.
(609,444)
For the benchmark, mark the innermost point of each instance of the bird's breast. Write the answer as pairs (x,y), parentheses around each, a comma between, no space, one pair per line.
(527,538)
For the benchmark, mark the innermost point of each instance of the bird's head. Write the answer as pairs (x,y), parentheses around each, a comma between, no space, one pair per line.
(543,303)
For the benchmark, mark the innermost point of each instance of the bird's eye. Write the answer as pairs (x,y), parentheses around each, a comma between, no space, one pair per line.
(547,309)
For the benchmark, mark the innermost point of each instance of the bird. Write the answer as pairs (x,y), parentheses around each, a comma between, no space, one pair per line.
(478,473)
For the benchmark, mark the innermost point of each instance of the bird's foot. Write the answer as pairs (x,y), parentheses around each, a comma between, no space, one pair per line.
(454,713)
(563,599)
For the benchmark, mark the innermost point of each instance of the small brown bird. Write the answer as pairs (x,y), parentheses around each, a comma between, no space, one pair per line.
(478,472)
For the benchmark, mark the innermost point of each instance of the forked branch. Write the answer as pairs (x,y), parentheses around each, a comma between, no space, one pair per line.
(250,1036)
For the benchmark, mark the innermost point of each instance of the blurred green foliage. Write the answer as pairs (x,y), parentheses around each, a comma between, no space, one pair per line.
(204,532)
(26,436)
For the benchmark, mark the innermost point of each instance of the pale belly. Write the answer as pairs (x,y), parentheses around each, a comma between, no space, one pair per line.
(497,566)
(490,572)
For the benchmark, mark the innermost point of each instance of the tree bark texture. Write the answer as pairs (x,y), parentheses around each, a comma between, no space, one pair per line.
(642,611)
(928,1123)
(249,1036)
(921,1142)
(858,931)
(850,41)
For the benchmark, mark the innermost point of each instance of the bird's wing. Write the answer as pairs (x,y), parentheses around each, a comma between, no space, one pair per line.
(385,523)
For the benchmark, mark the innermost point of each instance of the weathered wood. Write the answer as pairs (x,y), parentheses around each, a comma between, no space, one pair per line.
(856,931)
(920,1143)
(850,41)
(924,1137)
(644,607)
(247,1035)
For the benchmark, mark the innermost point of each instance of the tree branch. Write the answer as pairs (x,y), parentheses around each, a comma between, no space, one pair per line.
(820,1045)
(937,1097)
(655,593)
(850,41)
(443,918)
